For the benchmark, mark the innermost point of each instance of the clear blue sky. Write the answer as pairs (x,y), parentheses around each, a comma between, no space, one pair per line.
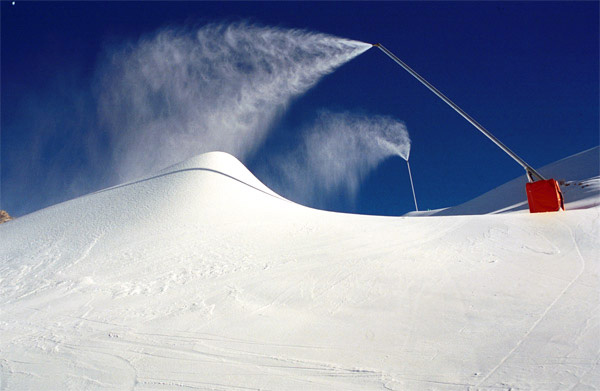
(527,71)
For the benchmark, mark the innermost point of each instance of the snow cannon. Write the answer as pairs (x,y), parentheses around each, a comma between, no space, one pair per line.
(543,195)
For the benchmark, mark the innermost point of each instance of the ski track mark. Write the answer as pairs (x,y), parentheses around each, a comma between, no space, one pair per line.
(87,249)
(535,324)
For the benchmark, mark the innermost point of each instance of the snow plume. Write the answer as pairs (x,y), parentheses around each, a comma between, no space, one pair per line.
(181,92)
(337,153)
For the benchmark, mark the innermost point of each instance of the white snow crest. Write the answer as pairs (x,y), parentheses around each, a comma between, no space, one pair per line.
(181,92)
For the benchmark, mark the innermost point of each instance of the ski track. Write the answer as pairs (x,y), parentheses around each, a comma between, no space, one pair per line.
(543,315)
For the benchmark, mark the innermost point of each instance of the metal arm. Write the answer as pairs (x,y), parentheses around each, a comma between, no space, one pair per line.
(531,172)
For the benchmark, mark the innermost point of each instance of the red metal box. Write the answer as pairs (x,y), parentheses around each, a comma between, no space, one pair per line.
(544,196)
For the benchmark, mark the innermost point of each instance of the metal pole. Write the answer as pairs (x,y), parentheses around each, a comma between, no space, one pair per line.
(412,185)
(531,172)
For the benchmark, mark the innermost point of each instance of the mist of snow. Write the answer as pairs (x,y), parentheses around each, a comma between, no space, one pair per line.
(164,97)
(338,151)
(181,92)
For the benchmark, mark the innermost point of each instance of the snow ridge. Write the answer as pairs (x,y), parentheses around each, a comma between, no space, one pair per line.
(578,176)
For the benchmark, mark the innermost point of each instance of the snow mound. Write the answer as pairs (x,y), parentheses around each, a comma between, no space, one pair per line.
(223,163)
(200,277)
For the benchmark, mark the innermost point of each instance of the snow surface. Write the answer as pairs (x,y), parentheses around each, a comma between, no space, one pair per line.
(202,278)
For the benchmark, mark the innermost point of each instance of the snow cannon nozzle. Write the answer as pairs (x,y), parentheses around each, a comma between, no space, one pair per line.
(376,44)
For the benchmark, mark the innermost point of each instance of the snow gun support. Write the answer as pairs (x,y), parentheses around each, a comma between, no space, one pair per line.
(543,195)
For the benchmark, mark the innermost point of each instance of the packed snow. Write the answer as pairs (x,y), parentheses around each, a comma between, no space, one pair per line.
(201,277)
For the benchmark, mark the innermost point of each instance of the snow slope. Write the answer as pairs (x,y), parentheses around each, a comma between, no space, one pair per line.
(202,278)
(578,175)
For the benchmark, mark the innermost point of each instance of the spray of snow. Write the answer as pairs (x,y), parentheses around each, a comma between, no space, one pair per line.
(159,100)
(338,151)
(181,92)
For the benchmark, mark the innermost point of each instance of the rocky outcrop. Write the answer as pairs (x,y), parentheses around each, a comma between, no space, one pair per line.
(4,216)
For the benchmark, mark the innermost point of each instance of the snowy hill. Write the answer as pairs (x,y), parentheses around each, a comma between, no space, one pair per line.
(578,175)
(202,278)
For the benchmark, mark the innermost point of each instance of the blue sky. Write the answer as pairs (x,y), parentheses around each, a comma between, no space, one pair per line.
(527,71)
